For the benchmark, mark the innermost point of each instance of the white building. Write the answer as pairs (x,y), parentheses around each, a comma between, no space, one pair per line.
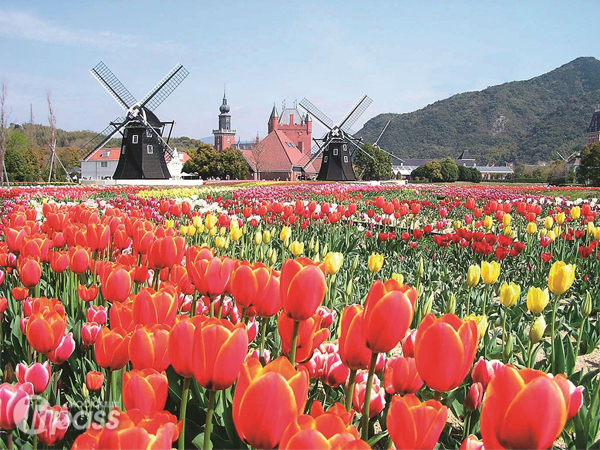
(101,164)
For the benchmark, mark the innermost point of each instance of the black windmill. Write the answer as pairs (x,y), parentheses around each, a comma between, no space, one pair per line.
(144,151)
(338,143)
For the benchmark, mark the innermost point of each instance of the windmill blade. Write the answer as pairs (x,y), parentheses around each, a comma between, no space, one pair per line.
(317,114)
(361,149)
(352,116)
(104,136)
(164,88)
(391,154)
(113,85)
(381,134)
(315,155)
(156,139)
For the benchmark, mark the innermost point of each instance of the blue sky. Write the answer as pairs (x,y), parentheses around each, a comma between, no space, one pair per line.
(404,55)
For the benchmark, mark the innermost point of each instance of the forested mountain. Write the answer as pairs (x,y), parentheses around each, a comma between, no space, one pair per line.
(521,121)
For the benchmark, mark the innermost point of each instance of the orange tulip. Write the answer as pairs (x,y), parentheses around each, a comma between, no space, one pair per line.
(401,376)
(151,307)
(98,236)
(121,316)
(389,309)
(30,271)
(267,399)
(45,330)
(445,348)
(14,238)
(145,390)
(148,347)
(111,348)
(524,409)
(94,380)
(116,284)
(413,424)
(302,287)
(36,247)
(245,283)
(353,352)
(268,302)
(87,294)
(79,259)
(211,276)
(327,431)
(166,252)
(180,344)
(59,261)
(310,335)
(219,352)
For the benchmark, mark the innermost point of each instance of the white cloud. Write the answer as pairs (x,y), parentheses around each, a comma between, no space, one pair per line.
(22,25)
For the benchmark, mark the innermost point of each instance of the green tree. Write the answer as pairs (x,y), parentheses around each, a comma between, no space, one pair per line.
(202,161)
(431,171)
(589,168)
(17,166)
(449,170)
(474,175)
(232,164)
(378,167)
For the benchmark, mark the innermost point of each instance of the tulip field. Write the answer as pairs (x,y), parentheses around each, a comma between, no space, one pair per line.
(299,315)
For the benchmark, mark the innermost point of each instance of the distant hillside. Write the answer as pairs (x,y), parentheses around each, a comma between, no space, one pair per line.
(521,121)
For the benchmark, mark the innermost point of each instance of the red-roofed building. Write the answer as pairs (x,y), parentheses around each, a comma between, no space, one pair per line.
(284,152)
(102,163)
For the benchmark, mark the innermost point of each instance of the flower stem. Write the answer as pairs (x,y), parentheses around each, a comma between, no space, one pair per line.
(579,341)
(367,402)
(350,390)
(182,409)
(263,333)
(294,342)
(552,331)
(209,415)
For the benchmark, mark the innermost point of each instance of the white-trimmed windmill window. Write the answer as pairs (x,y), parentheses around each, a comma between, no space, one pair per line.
(134,139)
(325,158)
(345,159)
(148,133)
(123,150)
(335,152)
(125,133)
(149,149)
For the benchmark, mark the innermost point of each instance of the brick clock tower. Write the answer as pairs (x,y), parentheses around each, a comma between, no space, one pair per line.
(297,127)
(224,136)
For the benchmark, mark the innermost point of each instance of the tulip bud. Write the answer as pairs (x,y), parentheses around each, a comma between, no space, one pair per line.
(474,397)
(316,246)
(586,308)
(355,263)
(536,332)
(324,250)
(508,348)
(349,288)
(9,373)
(451,304)
(420,268)
(317,258)
(273,258)
(427,305)
(269,252)
(311,245)
(257,238)
(84,391)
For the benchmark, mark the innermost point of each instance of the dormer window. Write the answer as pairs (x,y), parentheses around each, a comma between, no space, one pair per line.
(105,154)
(134,139)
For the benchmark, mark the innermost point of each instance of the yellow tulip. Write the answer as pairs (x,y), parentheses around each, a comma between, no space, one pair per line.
(490,271)
(457,224)
(398,277)
(560,218)
(561,277)
(557,231)
(537,299)
(266,236)
(222,231)
(473,275)
(543,232)
(169,223)
(597,233)
(575,212)
(212,231)
(590,228)
(375,262)
(235,234)
(191,231)
(548,222)
(197,221)
(506,219)
(551,235)
(487,222)
(183,230)
(200,229)
(509,294)
(507,230)
(536,332)
(219,242)
(333,262)
(482,323)
(531,228)
(210,221)
(286,233)
(257,238)
(297,248)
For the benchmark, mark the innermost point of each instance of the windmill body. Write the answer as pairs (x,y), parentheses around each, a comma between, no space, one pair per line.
(144,152)
(337,143)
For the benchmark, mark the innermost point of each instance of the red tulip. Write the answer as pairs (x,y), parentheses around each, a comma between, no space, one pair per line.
(472,443)
(148,347)
(98,236)
(310,335)
(401,376)
(30,271)
(59,261)
(79,260)
(89,333)
(37,374)
(111,348)
(267,399)
(166,252)
(180,344)
(389,309)
(87,294)
(145,390)
(211,276)
(353,352)
(245,283)
(121,316)
(19,294)
(474,397)
(483,371)
(334,373)
(51,423)
(327,431)
(413,424)
(268,302)
(302,288)
(94,380)
(151,307)
(444,350)
(97,314)
(219,349)
(45,330)
(63,350)
(116,284)
(377,403)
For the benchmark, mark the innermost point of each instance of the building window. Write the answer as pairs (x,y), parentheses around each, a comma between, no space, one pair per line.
(181,156)
(325,159)
(134,139)
(105,154)
(345,159)
(123,150)
(335,152)
(149,149)
(345,147)
(104,164)
(125,134)
(148,133)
